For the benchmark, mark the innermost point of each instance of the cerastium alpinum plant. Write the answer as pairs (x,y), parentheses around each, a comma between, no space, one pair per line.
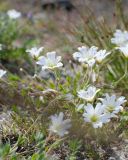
(93,111)
(94,106)
(59,102)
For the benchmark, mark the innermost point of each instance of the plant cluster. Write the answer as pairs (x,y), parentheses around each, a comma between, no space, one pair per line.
(64,100)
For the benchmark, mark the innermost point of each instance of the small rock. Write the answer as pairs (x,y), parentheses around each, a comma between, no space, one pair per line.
(57,4)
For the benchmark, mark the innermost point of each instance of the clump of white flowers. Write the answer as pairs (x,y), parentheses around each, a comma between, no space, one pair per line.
(104,111)
(2,73)
(51,61)
(88,94)
(95,113)
(35,52)
(90,55)
(13,14)
(58,125)
(120,39)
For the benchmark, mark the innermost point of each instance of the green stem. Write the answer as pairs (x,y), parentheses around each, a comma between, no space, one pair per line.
(57,78)
(125,73)
(88,75)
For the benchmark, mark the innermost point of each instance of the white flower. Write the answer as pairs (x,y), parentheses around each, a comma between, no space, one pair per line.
(35,52)
(120,38)
(124,50)
(112,104)
(88,94)
(101,55)
(2,73)
(59,126)
(95,115)
(51,61)
(86,55)
(13,14)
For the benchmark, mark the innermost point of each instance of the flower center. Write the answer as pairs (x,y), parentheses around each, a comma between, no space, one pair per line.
(94,118)
(58,127)
(50,63)
(110,109)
